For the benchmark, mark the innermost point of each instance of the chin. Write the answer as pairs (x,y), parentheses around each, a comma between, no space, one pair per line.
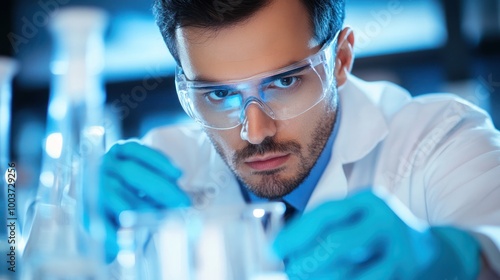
(272,185)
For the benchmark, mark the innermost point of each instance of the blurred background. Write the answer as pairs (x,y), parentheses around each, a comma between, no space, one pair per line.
(426,46)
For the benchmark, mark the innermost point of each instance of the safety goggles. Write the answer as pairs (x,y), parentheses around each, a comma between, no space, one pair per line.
(282,94)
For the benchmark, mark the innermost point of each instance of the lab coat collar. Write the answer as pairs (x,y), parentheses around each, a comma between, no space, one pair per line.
(362,127)
(363,124)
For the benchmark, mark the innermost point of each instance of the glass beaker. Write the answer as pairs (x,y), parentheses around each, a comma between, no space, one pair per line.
(223,242)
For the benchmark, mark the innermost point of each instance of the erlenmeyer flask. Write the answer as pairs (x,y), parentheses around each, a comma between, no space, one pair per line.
(58,246)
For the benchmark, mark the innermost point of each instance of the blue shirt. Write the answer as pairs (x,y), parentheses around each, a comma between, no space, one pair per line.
(299,197)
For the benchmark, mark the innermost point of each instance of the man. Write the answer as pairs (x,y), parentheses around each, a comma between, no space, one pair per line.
(282,118)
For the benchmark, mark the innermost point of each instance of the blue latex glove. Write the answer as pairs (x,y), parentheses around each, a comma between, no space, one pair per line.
(136,177)
(360,237)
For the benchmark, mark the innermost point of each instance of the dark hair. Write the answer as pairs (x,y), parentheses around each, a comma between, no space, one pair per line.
(327,16)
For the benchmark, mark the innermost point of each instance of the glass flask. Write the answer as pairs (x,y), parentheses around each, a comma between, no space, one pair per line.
(62,242)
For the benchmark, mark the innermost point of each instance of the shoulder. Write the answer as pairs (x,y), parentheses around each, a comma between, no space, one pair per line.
(160,136)
(432,138)
(437,115)
(434,122)
(397,105)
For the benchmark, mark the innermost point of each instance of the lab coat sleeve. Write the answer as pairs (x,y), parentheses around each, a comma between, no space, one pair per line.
(462,179)
(205,176)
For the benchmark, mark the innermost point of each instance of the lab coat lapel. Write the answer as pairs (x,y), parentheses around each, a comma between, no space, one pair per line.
(362,127)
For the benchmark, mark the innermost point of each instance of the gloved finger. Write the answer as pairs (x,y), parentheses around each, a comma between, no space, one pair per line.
(300,233)
(383,269)
(311,267)
(334,214)
(147,174)
(110,242)
(347,248)
(148,184)
(143,155)
(314,276)
(339,274)
(367,249)
(308,268)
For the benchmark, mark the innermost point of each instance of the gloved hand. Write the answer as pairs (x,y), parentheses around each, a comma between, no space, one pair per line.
(136,177)
(360,237)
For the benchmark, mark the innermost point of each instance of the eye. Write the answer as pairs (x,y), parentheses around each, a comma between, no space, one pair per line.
(218,94)
(285,82)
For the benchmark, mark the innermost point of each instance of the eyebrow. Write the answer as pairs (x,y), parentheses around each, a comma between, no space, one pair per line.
(219,87)
(203,79)
(284,74)
(264,80)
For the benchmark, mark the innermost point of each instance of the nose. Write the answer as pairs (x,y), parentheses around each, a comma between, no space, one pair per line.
(257,125)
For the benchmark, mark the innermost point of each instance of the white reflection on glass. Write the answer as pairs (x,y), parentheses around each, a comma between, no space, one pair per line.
(47,178)
(53,145)
(58,109)
(259,213)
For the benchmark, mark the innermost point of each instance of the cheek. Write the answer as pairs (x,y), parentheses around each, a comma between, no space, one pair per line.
(303,128)
(226,141)
(294,129)
(300,128)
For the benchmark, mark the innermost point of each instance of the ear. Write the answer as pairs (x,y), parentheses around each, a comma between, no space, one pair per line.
(345,55)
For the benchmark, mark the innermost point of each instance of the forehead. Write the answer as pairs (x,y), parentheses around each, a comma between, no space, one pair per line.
(276,36)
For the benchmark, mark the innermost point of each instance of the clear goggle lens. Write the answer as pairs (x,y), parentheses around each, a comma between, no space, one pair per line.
(281,94)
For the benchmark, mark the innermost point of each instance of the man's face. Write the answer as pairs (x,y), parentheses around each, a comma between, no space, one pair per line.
(272,157)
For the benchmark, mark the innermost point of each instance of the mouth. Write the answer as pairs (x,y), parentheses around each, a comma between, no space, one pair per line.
(267,162)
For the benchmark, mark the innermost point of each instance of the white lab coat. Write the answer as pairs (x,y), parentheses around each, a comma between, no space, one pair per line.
(437,153)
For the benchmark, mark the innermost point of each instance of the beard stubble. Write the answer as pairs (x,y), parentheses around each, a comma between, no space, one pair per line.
(270,184)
